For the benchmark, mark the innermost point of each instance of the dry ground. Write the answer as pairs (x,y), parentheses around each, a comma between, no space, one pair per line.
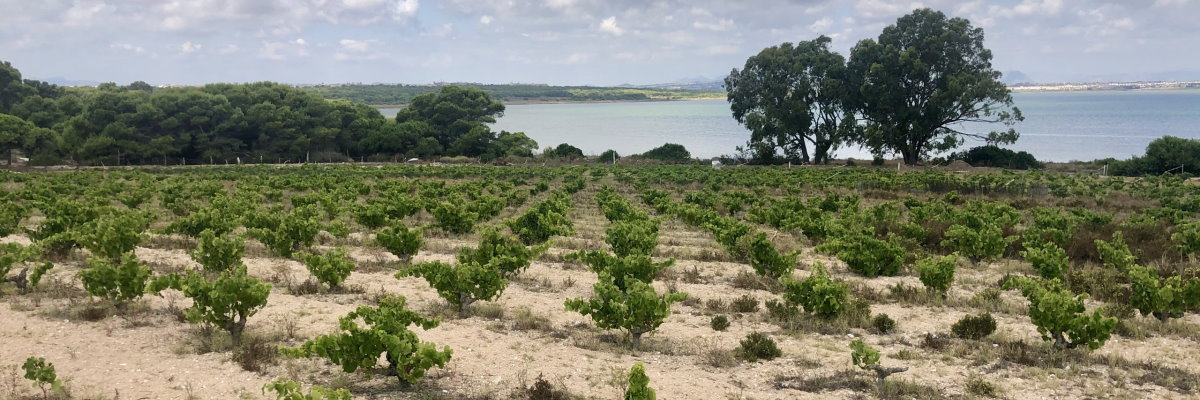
(148,353)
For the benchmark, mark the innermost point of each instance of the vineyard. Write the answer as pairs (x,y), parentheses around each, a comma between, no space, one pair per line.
(681,282)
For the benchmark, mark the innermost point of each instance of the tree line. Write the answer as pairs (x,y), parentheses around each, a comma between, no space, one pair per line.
(255,122)
(907,92)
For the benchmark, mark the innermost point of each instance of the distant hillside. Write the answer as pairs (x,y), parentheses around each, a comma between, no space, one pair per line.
(398,94)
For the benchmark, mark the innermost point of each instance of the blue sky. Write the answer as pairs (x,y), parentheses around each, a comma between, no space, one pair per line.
(599,42)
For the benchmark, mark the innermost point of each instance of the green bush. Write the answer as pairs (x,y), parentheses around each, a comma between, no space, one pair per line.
(758,346)
(985,243)
(765,258)
(1060,314)
(623,269)
(461,284)
(544,220)
(115,234)
(1162,298)
(1049,260)
(383,332)
(862,355)
(883,324)
(818,294)
(937,273)
(637,309)
(285,234)
(42,374)
(866,255)
(331,268)
(287,389)
(974,327)
(502,251)
(638,387)
(669,152)
(995,156)
(563,150)
(119,282)
(1187,237)
(630,237)
(1115,254)
(218,252)
(225,302)
(400,241)
(719,322)
(454,217)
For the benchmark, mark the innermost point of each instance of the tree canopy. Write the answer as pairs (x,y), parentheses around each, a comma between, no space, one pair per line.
(792,97)
(140,124)
(924,77)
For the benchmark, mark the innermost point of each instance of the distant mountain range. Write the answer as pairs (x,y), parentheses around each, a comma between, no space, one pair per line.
(699,84)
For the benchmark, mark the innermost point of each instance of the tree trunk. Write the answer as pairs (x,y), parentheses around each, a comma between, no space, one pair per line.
(235,330)
(636,338)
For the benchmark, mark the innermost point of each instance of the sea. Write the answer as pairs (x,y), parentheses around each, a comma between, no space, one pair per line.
(1058,126)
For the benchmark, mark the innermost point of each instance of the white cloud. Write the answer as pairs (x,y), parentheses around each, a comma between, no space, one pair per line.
(1169,3)
(407,8)
(821,25)
(127,47)
(873,9)
(609,25)
(486,19)
(719,26)
(189,47)
(228,49)
(356,45)
(560,4)
(300,41)
(84,13)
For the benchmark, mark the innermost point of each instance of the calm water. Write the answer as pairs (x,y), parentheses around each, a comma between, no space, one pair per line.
(1058,126)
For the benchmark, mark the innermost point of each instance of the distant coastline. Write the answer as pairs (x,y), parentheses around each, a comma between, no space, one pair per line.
(1106,86)
(521,102)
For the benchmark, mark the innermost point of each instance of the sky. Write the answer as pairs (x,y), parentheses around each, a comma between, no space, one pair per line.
(564,42)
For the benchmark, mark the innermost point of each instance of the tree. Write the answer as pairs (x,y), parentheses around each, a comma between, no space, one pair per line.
(669,152)
(563,150)
(793,96)
(637,308)
(924,77)
(1060,315)
(452,112)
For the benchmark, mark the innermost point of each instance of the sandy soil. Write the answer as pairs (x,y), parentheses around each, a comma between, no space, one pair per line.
(147,355)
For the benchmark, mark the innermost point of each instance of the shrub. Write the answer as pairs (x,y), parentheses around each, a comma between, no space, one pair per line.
(818,294)
(453,217)
(985,243)
(1060,315)
(639,384)
(974,327)
(12,254)
(758,346)
(339,229)
(288,233)
(115,234)
(669,152)
(543,221)
(609,156)
(119,282)
(630,237)
(1187,237)
(1162,298)
(218,252)
(225,302)
(765,259)
(461,284)
(937,273)
(719,322)
(995,156)
(42,374)
(980,387)
(638,309)
(866,255)
(1115,254)
(563,150)
(502,251)
(11,215)
(622,269)
(883,324)
(1049,260)
(384,332)
(867,358)
(400,241)
(331,268)
(744,304)
(212,218)
(287,389)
